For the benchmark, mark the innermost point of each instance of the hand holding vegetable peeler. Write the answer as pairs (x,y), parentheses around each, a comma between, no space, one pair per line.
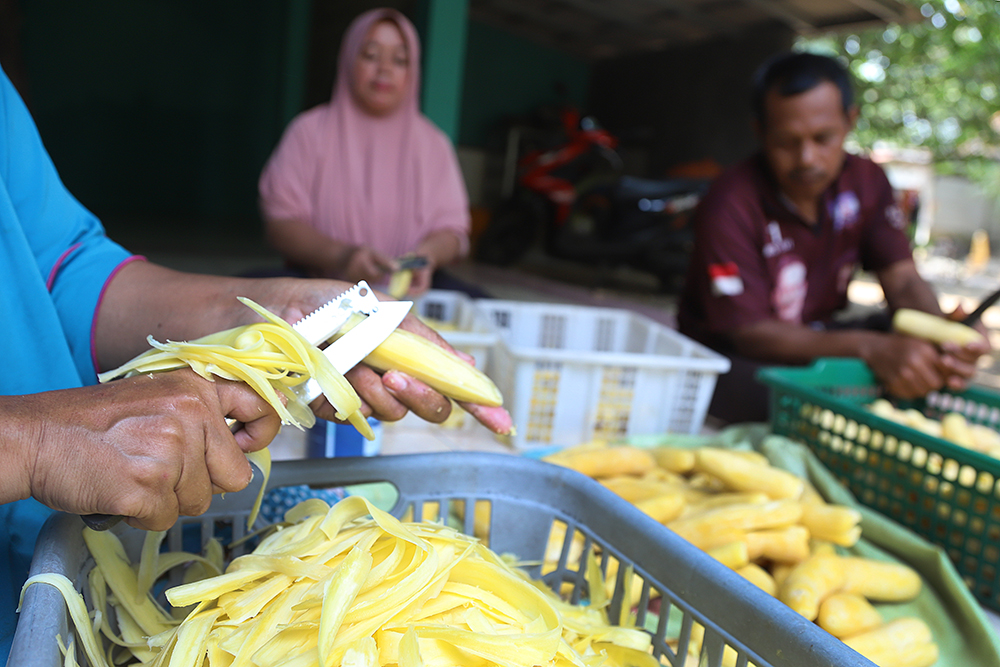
(410,262)
(973,317)
(345,353)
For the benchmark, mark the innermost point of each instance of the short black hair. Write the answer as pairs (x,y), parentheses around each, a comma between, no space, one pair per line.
(793,72)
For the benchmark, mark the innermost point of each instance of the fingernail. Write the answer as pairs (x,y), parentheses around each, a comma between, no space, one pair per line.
(395,381)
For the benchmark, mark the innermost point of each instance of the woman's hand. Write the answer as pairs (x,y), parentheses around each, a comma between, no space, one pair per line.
(958,362)
(149,448)
(441,248)
(422,278)
(364,263)
(907,367)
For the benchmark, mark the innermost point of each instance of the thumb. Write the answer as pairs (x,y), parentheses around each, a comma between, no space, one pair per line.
(257,422)
(384,263)
(958,314)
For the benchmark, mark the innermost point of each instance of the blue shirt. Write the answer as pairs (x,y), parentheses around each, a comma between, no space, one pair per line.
(54,263)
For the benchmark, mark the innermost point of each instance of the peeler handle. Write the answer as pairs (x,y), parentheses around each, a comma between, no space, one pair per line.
(100,521)
(973,317)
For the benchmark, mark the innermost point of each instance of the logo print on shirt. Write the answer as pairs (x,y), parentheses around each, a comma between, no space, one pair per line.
(726,280)
(846,208)
(777,244)
(790,287)
(895,216)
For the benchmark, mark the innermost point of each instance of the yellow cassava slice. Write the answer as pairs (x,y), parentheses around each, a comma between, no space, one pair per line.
(338,595)
(351,585)
(109,555)
(262,459)
(335,386)
(270,356)
(77,611)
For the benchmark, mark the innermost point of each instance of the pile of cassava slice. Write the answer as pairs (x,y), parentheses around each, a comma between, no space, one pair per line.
(772,528)
(347,585)
(272,358)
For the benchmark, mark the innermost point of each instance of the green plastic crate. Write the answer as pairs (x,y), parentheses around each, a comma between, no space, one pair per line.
(948,494)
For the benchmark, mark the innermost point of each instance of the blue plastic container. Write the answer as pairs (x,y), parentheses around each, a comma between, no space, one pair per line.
(327,440)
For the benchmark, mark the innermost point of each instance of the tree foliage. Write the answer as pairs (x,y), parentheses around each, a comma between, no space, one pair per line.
(934,83)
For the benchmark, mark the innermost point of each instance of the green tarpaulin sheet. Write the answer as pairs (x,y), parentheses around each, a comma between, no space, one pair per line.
(960,627)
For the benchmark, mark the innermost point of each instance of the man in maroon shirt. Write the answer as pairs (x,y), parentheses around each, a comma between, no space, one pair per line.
(779,236)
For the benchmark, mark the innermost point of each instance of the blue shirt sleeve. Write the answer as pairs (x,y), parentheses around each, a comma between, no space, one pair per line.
(72,254)
(54,263)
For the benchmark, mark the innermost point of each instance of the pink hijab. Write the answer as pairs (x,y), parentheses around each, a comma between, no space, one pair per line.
(382,182)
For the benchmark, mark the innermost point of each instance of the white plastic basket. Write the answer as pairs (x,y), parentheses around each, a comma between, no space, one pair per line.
(571,374)
(465,329)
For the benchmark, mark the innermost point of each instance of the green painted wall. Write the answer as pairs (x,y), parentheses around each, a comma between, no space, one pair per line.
(443,24)
(163,111)
(505,76)
(160,115)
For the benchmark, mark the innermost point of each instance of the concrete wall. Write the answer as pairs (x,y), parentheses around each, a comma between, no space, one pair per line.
(684,104)
(951,207)
(959,208)
(476,168)
(507,77)
(669,107)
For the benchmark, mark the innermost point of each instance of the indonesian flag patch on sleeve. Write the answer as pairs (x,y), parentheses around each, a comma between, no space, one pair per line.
(726,279)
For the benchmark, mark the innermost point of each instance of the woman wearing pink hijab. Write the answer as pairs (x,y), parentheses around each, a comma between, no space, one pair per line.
(365,179)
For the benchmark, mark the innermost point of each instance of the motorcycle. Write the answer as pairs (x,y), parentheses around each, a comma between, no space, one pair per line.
(570,195)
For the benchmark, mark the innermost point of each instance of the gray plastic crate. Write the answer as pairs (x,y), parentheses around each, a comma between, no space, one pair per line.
(525,497)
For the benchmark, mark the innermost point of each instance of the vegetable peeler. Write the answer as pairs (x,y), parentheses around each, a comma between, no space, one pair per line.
(411,262)
(345,353)
(973,317)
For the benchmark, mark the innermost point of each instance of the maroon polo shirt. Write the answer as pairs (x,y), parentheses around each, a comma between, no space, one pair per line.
(754,258)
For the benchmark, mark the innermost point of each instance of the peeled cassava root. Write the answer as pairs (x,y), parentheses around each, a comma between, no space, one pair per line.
(933,328)
(772,528)
(430,363)
(952,426)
